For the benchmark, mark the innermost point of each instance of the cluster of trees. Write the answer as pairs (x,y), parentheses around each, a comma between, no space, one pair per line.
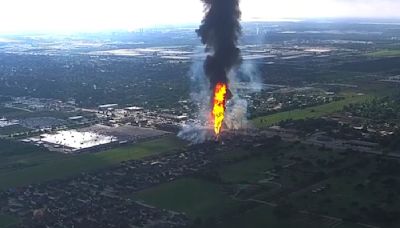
(331,127)
(289,102)
(379,109)
(309,126)
(91,81)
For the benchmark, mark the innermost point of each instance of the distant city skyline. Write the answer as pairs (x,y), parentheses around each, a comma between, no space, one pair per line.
(97,15)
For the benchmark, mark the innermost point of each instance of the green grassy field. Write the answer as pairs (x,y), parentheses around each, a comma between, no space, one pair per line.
(45,166)
(15,113)
(343,196)
(7,221)
(253,170)
(247,171)
(197,198)
(202,199)
(141,150)
(384,53)
(263,216)
(311,112)
(12,129)
(11,112)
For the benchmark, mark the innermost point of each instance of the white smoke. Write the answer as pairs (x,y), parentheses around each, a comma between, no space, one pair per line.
(196,133)
(236,114)
(200,87)
(246,81)
(250,71)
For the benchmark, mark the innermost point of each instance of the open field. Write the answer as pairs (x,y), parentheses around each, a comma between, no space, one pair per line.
(43,166)
(264,216)
(384,53)
(311,112)
(378,88)
(16,113)
(141,150)
(247,171)
(12,129)
(201,198)
(197,198)
(7,221)
(367,193)
(11,112)
(372,65)
(346,197)
(205,200)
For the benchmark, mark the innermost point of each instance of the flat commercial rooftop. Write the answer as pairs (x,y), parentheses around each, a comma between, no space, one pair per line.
(77,140)
(69,141)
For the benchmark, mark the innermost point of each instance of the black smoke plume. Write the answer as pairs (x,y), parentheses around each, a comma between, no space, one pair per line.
(220,31)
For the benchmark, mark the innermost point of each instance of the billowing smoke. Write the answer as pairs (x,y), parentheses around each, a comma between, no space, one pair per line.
(220,31)
(195,133)
(236,117)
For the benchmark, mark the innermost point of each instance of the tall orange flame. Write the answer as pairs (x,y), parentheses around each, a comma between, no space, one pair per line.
(218,111)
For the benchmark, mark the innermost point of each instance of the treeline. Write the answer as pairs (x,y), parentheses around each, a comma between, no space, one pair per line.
(379,109)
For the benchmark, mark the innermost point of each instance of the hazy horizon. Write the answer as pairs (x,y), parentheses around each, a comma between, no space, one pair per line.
(90,16)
